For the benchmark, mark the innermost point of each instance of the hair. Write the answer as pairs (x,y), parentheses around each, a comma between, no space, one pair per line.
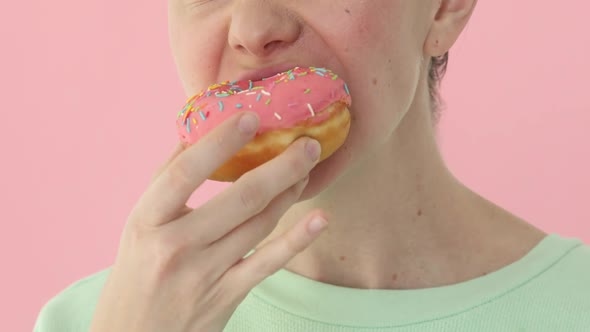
(436,72)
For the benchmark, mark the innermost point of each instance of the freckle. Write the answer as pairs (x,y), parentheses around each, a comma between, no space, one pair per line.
(342,258)
(389,61)
(394,277)
(419,212)
(374,81)
(347,11)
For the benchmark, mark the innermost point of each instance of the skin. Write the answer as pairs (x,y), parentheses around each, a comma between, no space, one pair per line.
(414,224)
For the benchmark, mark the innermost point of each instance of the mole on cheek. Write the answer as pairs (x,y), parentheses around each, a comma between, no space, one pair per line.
(342,258)
(347,11)
(374,81)
(394,277)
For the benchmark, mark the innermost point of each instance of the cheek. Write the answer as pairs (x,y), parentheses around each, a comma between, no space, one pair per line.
(384,82)
(197,53)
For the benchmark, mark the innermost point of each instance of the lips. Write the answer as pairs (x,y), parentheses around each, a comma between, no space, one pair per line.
(259,74)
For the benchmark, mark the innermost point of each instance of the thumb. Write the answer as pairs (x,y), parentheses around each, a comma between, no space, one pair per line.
(178,149)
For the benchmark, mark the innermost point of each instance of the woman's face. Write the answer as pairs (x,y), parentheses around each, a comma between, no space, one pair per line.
(376,46)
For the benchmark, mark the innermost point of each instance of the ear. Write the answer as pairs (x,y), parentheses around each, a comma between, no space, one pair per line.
(450,18)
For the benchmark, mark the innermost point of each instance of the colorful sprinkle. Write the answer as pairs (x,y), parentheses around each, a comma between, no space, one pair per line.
(346,89)
(265,93)
(250,86)
(307,91)
(258,97)
(278,116)
(311,110)
(238,105)
(220,106)
(267,102)
(188,126)
(202,115)
(222,95)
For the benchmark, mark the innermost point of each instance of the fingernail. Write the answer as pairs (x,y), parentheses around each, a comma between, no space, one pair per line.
(313,149)
(248,123)
(316,225)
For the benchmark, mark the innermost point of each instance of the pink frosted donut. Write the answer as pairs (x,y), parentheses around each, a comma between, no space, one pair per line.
(309,102)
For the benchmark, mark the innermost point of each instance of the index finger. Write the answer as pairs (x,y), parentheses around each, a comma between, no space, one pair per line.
(171,190)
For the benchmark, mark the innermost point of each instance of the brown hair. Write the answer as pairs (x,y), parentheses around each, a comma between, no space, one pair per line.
(436,72)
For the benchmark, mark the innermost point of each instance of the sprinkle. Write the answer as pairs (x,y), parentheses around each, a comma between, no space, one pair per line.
(202,115)
(346,89)
(220,106)
(188,126)
(307,91)
(278,116)
(251,93)
(250,86)
(302,74)
(194,97)
(234,82)
(258,97)
(292,105)
(334,77)
(238,105)
(320,73)
(265,93)
(222,95)
(194,121)
(185,116)
(257,88)
(311,110)
(291,77)
(323,70)
(208,93)
(268,101)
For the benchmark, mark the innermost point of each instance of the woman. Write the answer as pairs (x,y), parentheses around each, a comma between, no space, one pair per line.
(408,247)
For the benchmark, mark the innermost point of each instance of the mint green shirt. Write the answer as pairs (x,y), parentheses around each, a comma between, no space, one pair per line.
(546,290)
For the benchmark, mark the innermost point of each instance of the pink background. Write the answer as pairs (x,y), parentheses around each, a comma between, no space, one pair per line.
(90,94)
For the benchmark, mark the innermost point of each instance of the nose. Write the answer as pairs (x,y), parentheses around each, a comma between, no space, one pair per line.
(260,27)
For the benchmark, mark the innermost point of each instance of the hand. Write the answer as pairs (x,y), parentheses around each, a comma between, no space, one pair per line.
(180,269)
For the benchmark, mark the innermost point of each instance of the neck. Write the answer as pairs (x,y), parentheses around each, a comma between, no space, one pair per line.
(400,219)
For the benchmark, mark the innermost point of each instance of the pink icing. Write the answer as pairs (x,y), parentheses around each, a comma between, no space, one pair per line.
(281,101)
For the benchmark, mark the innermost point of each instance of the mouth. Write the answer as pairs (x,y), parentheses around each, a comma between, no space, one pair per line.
(259,74)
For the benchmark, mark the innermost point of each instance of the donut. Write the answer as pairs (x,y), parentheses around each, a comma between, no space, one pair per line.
(309,102)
